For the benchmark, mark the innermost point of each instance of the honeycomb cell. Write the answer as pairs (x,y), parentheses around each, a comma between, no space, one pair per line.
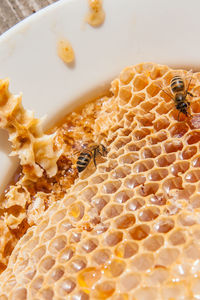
(104,289)
(142,262)
(152,152)
(88,193)
(101,256)
(46,264)
(56,274)
(115,268)
(178,130)
(47,294)
(158,276)
(139,232)
(135,203)
(125,93)
(192,251)
(148,189)
(157,138)
(66,286)
(153,89)
(188,152)
(192,176)
(36,285)
(100,202)
(179,168)
(48,234)
(113,210)
(110,187)
(177,237)
(64,226)
(165,160)
(126,249)
(140,82)
(57,244)
(141,134)
(80,295)
(167,256)
(99,178)
(88,277)
(172,183)
(125,221)
(77,264)
(186,219)
(161,123)
(114,238)
(129,158)
(176,291)
(143,166)
(164,225)
(133,181)
(148,214)
(158,199)
(123,196)
(173,146)
(57,217)
(19,294)
(76,211)
(89,245)
(193,137)
(157,174)
(129,281)
(127,75)
(121,172)
(153,243)
(146,293)
(146,120)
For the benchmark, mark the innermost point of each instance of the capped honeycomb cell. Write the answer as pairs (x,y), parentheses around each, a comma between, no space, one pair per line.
(127,229)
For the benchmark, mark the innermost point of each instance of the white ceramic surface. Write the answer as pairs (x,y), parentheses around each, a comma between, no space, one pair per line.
(134,31)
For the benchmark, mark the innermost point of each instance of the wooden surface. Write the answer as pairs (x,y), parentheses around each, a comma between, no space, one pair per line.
(13,11)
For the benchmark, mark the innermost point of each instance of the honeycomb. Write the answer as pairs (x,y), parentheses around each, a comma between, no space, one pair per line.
(129,229)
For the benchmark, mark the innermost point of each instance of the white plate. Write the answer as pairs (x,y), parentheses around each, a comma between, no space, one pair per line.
(134,31)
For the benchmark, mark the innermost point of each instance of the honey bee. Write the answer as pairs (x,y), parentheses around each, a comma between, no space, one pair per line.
(180,92)
(86,156)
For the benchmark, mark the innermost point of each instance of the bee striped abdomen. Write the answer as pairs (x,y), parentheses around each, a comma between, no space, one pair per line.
(177,84)
(83,160)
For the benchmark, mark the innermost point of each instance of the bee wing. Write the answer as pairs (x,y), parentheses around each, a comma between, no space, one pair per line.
(166,91)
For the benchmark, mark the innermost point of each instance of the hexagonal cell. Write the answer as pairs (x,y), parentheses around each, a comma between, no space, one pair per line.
(88,193)
(139,232)
(101,256)
(89,245)
(177,237)
(47,294)
(58,216)
(142,262)
(188,152)
(137,99)
(165,160)
(19,294)
(146,293)
(147,119)
(148,189)
(38,253)
(46,264)
(161,123)
(173,183)
(186,219)
(125,94)
(57,244)
(100,202)
(126,249)
(66,286)
(64,226)
(115,268)
(135,180)
(123,196)
(127,75)
(158,199)
(143,166)
(99,178)
(110,187)
(153,89)
(179,167)
(196,162)
(158,276)
(148,106)
(56,274)
(76,211)
(173,146)
(178,130)
(154,139)
(121,172)
(164,108)
(103,290)
(129,282)
(80,295)
(135,203)
(113,238)
(164,225)
(158,71)
(153,243)
(148,214)
(113,210)
(125,221)
(195,201)
(36,285)
(167,256)
(77,264)
(141,133)
(193,137)
(74,236)
(88,277)
(136,146)
(152,152)
(157,174)
(121,142)
(129,158)
(140,82)
(192,176)
(176,290)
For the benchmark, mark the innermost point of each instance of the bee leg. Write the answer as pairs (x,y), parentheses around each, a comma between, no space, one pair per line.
(178,115)
(94,157)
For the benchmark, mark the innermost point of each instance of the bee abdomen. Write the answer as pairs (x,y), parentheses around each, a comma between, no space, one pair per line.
(177,84)
(83,160)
